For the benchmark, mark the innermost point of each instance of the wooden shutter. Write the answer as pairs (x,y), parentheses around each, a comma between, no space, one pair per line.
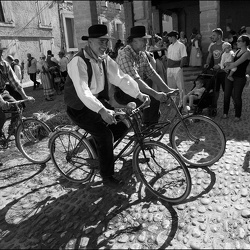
(7,11)
(45,13)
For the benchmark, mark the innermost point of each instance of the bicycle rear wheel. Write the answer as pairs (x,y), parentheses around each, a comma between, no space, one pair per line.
(32,137)
(162,171)
(198,140)
(72,156)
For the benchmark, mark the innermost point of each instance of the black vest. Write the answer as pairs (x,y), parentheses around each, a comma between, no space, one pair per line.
(70,96)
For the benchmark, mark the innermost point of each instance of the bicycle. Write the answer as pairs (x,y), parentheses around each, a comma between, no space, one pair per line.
(197,139)
(156,165)
(31,134)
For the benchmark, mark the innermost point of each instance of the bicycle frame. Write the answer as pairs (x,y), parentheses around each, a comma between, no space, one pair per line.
(134,120)
(162,126)
(139,135)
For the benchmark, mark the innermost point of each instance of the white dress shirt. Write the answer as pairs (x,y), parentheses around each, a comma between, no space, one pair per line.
(77,70)
(176,52)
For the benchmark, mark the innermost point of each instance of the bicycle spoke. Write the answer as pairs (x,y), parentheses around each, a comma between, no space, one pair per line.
(32,137)
(164,174)
(72,157)
(200,143)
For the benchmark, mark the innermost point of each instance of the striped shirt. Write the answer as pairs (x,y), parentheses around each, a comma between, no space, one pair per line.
(8,75)
(133,64)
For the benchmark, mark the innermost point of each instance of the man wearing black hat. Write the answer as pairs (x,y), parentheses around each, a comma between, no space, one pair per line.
(86,94)
(176,58)
(133,61)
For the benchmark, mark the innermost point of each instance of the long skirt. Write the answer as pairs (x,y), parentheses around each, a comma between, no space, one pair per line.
(195,61)
(48,89)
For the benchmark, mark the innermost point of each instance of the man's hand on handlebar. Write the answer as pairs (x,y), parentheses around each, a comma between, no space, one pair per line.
(173,92)
(145,99)
(30,98)
(108,115)
(4,105)
(161,96)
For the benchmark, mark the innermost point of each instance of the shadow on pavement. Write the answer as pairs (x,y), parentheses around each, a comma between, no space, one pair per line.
(19,173)
(89,215)
(206,190)
(245,165)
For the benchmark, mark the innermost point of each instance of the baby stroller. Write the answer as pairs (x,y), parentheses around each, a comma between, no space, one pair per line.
(209,78)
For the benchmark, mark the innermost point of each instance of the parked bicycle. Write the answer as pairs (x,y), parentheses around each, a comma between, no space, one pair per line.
(156,165)
(31,134)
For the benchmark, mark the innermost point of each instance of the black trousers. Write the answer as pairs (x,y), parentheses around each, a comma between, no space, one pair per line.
(103,135)
(234,89)
(7,97)
(219,82)
(33,79)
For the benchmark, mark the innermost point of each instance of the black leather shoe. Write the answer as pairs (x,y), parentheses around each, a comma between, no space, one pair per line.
(112,182)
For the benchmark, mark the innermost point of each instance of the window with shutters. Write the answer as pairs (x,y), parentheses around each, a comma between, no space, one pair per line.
(6,14)
(44,14)
(69,31)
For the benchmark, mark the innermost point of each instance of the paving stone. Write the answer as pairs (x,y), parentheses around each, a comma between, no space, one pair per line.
(215,215)
(245,213)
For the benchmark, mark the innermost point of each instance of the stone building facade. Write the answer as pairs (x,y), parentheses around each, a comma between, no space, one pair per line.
(186,15)
(29,27)
(91,12)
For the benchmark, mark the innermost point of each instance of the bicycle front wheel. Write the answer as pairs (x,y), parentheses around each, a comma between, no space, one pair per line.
(32,140)
(198,140)
(72,155)
(162,171)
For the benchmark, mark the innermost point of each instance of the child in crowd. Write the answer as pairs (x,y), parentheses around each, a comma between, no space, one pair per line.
(226,57)
(193,95)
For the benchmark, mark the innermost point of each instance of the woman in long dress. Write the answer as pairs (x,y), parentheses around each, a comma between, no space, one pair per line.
(196,54)
(42,67)
(159,55)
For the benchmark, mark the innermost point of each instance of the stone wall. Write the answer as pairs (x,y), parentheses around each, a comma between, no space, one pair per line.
(21,32)
(209,20)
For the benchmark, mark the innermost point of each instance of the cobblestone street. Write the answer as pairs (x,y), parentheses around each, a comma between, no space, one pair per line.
(41,210)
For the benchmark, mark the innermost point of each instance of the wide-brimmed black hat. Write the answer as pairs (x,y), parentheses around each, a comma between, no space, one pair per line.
(139,31)
(173,33)
(98,31)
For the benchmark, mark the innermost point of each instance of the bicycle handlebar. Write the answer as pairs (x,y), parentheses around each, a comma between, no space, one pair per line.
(19,102)
(131,108)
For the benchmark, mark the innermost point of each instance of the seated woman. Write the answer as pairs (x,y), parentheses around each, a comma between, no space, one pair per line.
(193,95)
